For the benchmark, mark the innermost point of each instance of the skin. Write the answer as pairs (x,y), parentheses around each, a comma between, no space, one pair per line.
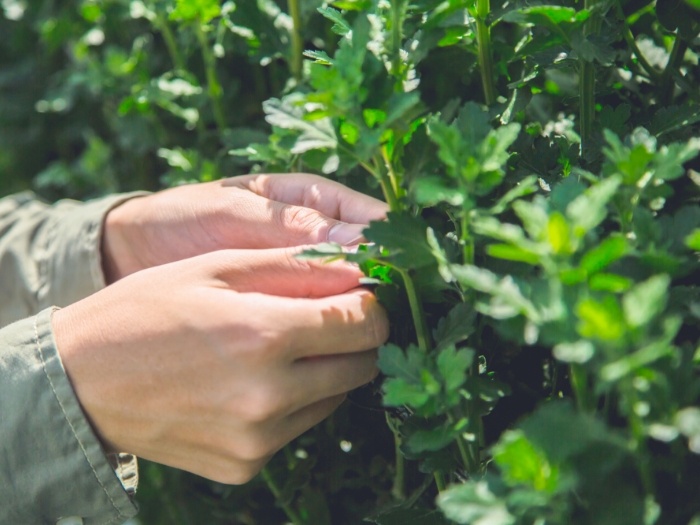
(215,346)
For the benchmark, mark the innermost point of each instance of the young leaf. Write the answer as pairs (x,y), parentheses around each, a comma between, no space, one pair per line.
(521,462)
(474,503)
(405,239)
(646,300)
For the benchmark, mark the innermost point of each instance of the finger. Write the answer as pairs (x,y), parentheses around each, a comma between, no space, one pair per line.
(323,376)
(350,322)
(330,198)
(280,272)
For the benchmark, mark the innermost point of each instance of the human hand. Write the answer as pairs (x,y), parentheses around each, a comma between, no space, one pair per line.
(213,363)
(250,211)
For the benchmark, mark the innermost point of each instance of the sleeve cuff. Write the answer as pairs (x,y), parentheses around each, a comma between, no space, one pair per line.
(71,265)
(52,465)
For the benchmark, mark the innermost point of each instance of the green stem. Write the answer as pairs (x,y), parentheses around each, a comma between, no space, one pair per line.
(422,332)
(468,451)
(466,239)
(398,490)
(162,25)
(277,493)
(297,51)
(483,39)
(380,172)
(666,84)
(439,481)
(214,89)
(587,83)
(632,43)
(579,384)
(397,10)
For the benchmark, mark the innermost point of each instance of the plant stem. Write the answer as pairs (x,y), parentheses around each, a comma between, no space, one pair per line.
(277,492)
(297,51)
(380,173)
(587,83)
(466,239)
(422,332)
(579,384)
(397,15)
(162,25)
(675,60)
(439,481)
(213,85)
(398,490)
(632,43)
(483,39)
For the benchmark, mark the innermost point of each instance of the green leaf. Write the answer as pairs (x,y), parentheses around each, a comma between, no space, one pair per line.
(288,114)
(646,300)
(607,252)
(340,25)
(473,503)
(548,15)
(521,462)
(692,241)
(513,253)
(319,57)
(579,352)
(559,234)
(456,327)
(609,282)
(453,365)
(405,239)
(393,362)
(433,439)
(190,10)
(600,319)
(590,209)
(399,392)
(432,190)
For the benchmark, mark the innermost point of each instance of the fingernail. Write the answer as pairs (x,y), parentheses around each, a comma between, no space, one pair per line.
(346,234)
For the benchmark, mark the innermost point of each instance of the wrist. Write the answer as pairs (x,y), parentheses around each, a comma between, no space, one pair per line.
(120,241)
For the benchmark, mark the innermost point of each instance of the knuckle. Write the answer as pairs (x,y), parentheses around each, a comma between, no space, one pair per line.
(303,224)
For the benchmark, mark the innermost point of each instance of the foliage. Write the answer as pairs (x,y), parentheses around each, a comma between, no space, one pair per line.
(540,261)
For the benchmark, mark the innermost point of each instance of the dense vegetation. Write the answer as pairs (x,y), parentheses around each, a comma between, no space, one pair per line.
(540,262)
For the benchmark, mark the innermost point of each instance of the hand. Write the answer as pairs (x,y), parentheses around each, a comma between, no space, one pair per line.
(251,211)
(213,363)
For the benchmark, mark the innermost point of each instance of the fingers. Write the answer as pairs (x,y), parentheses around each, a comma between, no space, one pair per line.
(345,323)
(280,272)
(306,208)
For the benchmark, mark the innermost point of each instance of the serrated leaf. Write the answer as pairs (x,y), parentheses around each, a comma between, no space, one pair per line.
(456,327)
(432,190)
(404,237)
(453,365)
(393,362)
(431,440)
(399,392)
(319,57)
(473,503)
(287,114)
(646,300)
(340,25)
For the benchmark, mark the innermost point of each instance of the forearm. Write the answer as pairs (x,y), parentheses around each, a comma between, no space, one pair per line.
(49,254)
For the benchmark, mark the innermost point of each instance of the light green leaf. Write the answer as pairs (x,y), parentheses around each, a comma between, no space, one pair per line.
(646,300)
(289,114)
(522,462)
(474,504)
(590,209)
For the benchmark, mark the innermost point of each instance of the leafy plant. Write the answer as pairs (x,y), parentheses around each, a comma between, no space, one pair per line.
(539,262)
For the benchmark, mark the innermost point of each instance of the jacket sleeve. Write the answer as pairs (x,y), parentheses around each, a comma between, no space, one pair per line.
(49,255)
(52,465)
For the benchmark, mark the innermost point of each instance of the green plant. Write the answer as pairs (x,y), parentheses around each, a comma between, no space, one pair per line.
(539,262)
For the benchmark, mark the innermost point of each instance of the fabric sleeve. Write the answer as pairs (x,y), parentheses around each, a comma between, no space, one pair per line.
(49,254)
(52,465)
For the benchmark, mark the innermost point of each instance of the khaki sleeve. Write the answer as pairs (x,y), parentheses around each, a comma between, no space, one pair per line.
(52,465)
(49,255)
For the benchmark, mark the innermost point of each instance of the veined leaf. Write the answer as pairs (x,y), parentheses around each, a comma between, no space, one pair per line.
(314,134)
(646,300)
